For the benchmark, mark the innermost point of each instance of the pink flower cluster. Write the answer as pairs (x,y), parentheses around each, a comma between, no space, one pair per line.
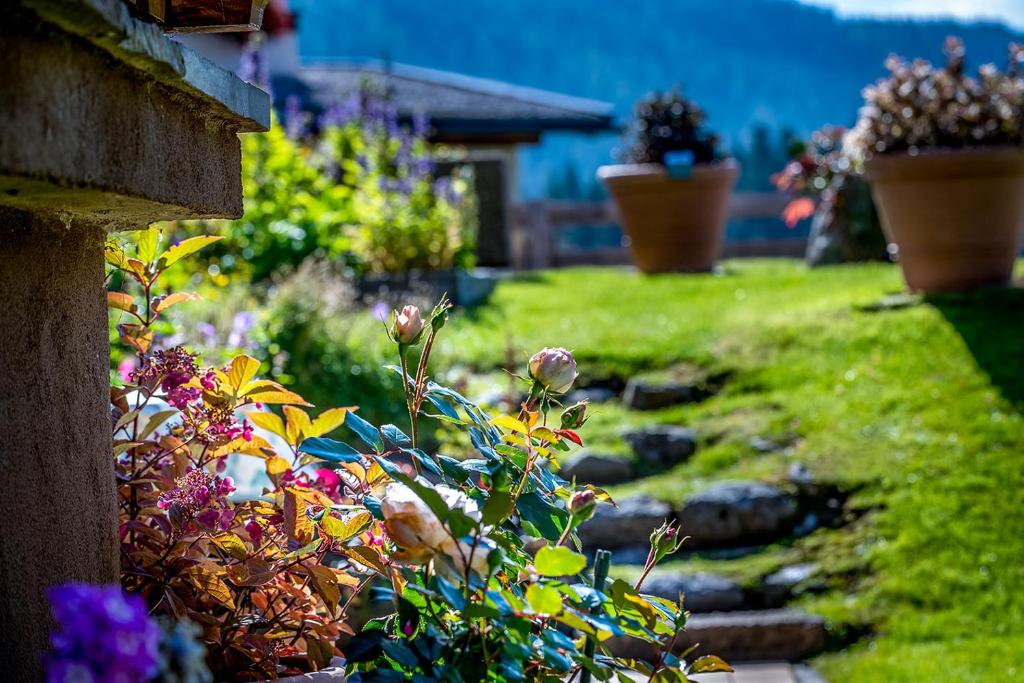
(202,497)
(172,369)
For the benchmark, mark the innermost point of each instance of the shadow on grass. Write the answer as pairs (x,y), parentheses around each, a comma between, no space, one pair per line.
(991,323)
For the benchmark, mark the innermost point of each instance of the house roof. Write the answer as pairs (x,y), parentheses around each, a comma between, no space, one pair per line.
(461,108)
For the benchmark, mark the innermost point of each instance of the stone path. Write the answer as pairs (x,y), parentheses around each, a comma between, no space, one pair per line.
(747,625)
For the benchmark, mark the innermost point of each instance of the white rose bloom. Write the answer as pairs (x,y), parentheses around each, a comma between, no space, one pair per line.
(411,524)
(463,554)
(417,530)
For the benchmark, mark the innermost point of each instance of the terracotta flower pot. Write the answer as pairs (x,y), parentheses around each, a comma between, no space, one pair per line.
(956,216)
(672,224)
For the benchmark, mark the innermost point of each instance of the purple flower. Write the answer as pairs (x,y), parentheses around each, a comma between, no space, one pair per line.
(420,125)
(294,118)
(252,66)
(380,311)
(207,333)
(445,190)
(240,326)
(103,635)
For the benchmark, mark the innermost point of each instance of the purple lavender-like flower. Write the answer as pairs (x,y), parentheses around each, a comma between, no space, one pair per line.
(207,333)
(103,636)
(444,189)
(423,166)
(380,311)
(294,118)
(420,125)
(240,327)
(344,112)
(252,66)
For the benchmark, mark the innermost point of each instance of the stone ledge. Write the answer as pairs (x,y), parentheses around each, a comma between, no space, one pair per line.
(109,25)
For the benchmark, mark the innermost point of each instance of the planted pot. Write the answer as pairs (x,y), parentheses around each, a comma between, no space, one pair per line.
(673,224)
(955,216)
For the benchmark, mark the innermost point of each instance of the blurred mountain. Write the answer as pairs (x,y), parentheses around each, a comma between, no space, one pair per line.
(768,64)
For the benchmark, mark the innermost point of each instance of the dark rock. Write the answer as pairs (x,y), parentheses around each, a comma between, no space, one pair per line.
(631,554)
(822,503)
(629,524)
(641,394)
(763,445)
(730,514)
(741,636)
(662,446)
(792,575)
(702,592)
(778,588)
(592,468)
(592,394)
(807,524)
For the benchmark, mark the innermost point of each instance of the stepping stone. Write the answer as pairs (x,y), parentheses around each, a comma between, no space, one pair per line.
(777,588)
(703,592)
(775,634)
(733,514)
(641,394)
(662,446)
(763,445)
(593,468)
(592,394)
(629,524)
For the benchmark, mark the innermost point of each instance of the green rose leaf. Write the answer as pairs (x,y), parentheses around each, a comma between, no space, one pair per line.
(558,561)
(544,600)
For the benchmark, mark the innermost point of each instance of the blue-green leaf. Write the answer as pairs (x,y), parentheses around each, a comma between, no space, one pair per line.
(329,449)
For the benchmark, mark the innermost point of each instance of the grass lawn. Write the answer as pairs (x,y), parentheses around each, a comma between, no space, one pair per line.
(918,409)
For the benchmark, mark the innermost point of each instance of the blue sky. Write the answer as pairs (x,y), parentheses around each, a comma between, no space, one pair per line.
(1008,11)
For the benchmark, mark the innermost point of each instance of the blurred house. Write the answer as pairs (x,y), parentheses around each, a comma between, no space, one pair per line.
(488,119)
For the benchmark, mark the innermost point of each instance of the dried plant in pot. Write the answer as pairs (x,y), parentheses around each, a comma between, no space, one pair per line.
(673,191)
(944,153)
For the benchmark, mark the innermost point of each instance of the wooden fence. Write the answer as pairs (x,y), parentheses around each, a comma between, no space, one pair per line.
(537,227)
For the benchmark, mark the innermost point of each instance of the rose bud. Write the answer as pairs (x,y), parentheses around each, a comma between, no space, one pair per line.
(575,415)
(408,325)
(554,369)
(665,540)
(582,504)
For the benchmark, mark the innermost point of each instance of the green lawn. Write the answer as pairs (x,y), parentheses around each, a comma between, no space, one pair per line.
(917,408)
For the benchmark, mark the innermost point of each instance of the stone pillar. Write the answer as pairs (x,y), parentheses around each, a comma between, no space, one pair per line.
(58,505)
(105,125)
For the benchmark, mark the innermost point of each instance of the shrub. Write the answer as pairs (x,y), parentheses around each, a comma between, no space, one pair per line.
(362,191)
(819,170)
(922,107)
(290,208)
(315,338)
(826,182)
(403,217)
(476,556)
(668,122)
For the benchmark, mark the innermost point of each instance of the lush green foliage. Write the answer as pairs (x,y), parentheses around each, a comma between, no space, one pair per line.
(920,107)
(403,218)
(272,579)
(361,192)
